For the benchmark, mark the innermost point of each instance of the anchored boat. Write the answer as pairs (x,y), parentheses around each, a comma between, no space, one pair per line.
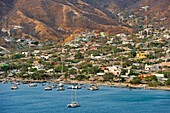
(74,87)
(54,85)
(60,89)
(48,88)
(32,85)
(14,87)
(74,103)
(93,88)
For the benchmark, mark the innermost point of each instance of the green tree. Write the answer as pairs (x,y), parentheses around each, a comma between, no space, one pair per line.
(108,76)
(30,61)
(167,82)
(18,56)
(81,77)
(130,73)
(151,57)
(59,69)
(154,83)
(32,69)
(36,42)
(79,55)
(1,54)
(72,71)
(132,54)
(136,81)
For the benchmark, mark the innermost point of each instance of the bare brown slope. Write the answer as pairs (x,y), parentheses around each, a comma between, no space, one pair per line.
(42,18)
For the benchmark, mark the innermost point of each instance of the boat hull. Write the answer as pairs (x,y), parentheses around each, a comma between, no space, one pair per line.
(14,88)
(73,105)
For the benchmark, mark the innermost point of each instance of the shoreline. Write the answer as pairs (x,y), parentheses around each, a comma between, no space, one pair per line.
(113,84)
(124,85)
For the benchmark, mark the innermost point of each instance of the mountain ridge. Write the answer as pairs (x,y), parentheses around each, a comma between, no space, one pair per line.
(57,19)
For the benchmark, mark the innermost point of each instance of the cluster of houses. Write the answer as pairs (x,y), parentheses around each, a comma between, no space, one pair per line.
(104,52)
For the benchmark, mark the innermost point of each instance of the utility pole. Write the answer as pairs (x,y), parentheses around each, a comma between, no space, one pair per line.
(62,66)
(119,16)
(146,13)
(121,63)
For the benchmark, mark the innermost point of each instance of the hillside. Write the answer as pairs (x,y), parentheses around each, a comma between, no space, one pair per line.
(50,19)
(57,19)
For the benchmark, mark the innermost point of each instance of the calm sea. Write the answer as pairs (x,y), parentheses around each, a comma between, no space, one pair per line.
(106,100)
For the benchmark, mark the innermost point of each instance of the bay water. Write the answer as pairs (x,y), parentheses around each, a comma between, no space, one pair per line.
(106,100)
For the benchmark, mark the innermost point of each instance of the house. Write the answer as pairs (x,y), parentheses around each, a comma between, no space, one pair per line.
(36,52)
(31,45)
(151,67)
(100,74)
(45,57)
(159,76)
(165,64)
(121,35)
(25,53)
(1,72)
(50,71)
(144,76)
(92,79)
(139,44)
(116,70)
(109,42)
(141,54)
(39,66)
(103,34)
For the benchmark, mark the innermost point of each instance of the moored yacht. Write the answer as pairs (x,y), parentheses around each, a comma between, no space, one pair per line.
(93,88)
(26,82)
(17,83)
(61,85)
(54,85)
(74,87)
(60,89)
(48,88)
(5,81)
(74,103)
(14,87)
(32,85)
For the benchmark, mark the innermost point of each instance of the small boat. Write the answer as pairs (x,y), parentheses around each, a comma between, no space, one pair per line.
(60,89)
(93,88)
(48,88)
(74,87)
(3,82)
(26,82)
(14,87)
(74,103)
(54,86)
(44,81)
(17,83)
(61,85)
(43,84)
(32,85)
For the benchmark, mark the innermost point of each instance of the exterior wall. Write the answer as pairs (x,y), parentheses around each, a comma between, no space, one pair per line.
(144,76)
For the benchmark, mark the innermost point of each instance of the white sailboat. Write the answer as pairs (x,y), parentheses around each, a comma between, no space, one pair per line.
(74,103)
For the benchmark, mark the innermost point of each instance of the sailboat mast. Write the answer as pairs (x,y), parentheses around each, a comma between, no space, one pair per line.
(71,97)
(75,96)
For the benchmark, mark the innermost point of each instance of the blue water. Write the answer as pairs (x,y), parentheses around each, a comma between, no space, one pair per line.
(106,100)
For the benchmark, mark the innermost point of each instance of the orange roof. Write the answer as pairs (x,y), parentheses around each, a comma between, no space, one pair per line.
(165,64)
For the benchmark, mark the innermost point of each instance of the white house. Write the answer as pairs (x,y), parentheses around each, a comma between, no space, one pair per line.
(151,67)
